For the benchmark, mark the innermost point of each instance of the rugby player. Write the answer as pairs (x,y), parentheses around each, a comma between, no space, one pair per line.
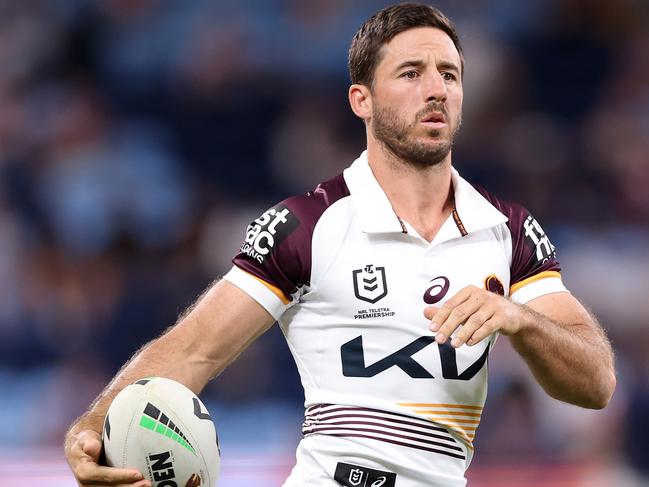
(391,283)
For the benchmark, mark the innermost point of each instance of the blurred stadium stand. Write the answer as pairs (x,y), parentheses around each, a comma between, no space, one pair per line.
(139,137)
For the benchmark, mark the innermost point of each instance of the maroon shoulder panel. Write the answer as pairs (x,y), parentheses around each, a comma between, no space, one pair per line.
(532,251)
(277,246)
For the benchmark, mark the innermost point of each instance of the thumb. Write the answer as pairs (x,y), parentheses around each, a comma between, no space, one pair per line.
(90,443)
(430,311)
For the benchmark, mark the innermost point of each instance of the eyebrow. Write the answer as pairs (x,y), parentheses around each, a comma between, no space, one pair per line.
(418,63)
(415,63)
(448,65)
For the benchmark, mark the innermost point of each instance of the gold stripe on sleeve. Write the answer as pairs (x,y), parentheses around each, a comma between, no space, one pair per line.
(541,275)
(276,291)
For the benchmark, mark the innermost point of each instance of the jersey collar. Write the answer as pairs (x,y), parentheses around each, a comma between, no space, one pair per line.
(377,216)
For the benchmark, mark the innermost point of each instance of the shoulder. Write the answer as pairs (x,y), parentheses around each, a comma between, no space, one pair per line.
(523,226)
(277,246)
(309,207)
(292,220)
(534,264)
(515,212)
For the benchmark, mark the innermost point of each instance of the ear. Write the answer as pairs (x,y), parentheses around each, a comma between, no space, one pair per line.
(360,99)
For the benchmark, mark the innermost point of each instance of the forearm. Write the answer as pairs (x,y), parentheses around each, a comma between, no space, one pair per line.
(572,362)
(167,356)
(219,326)
(194,351)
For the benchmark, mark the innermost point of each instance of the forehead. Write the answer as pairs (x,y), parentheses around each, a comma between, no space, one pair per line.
(423,43)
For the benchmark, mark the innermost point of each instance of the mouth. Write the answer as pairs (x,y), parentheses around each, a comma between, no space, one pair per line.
(434,120)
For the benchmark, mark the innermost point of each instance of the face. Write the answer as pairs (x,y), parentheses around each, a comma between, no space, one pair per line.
(417,96)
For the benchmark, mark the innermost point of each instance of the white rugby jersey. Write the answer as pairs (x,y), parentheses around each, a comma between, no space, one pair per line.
(348,281)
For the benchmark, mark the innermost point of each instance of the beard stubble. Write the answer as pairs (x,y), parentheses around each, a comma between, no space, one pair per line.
(396,136)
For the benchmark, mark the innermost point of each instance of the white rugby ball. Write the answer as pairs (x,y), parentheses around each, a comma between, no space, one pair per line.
(161,428)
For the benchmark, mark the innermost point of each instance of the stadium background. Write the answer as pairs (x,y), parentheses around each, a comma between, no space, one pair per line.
(139,137)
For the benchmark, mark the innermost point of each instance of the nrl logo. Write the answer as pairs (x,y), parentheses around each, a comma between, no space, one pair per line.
(355,476)
(370,284)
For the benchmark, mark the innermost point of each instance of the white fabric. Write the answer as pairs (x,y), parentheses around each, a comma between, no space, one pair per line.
(360,237)
(317,458)
(547,285)
(256,290)
(377,216)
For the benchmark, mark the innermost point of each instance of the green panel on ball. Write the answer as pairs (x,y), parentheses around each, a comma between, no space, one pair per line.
(147,423)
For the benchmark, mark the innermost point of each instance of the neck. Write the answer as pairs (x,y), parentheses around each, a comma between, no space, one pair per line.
(422,196)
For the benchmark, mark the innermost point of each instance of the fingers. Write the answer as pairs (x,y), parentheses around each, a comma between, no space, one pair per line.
(92,474)
(455,312)
(475,329)
(430,311)
(489,327)
(473,314)
(141,483)
(83,458)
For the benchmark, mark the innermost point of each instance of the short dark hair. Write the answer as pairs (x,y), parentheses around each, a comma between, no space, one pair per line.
(383,26)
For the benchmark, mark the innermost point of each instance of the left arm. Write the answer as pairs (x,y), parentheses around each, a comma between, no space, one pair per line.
(562,344)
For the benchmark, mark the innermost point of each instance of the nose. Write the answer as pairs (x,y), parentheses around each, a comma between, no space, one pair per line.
(434,88)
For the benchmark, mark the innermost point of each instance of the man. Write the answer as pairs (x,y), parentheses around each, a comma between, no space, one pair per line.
(393,396)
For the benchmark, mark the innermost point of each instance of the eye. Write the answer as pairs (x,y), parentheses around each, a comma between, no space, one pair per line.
(448,76)
(410,74)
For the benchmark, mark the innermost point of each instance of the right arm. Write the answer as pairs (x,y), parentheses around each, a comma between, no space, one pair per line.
(215,330)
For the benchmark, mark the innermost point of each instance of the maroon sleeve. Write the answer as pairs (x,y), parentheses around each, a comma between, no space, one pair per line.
(277,245)
(532,251)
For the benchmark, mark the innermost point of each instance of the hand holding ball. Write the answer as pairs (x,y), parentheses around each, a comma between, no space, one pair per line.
(161,428)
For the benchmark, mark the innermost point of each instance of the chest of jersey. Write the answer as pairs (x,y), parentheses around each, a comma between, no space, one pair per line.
(361,328)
